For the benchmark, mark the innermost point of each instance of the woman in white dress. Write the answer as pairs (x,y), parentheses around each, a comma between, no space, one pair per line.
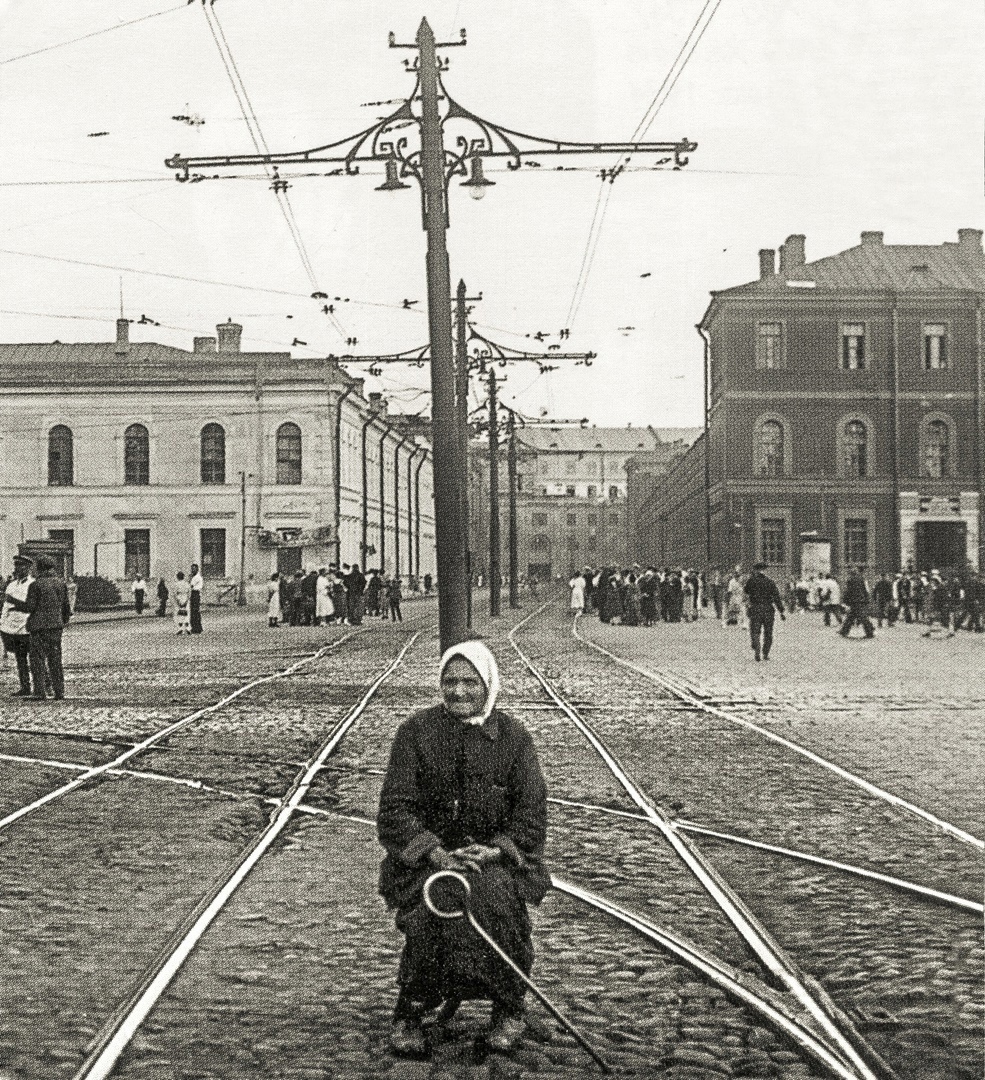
(577,584)
(324,608)
(181,595)
(273,600)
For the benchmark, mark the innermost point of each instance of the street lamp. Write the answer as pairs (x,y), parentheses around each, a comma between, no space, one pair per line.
(477,182)
(429,108)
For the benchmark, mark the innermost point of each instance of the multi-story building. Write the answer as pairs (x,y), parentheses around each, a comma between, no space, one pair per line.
(571,494)
(141,457)
(844,416)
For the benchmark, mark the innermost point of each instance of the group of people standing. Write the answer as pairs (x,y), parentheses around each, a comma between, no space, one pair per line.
(638,597)
(332,594)
(185,595)
(35,611)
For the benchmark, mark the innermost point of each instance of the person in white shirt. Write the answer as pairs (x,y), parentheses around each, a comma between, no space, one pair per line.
(181,594)
(196,584)
(139,590)
(13,623)
(830,595)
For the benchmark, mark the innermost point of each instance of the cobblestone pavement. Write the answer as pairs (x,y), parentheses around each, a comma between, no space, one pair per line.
(295,979)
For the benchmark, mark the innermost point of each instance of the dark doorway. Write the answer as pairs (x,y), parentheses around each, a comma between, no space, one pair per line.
(288,561)
(941,545)
(213,546)
(136,546)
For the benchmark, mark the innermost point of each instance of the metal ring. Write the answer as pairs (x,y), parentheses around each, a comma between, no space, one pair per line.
(463,881)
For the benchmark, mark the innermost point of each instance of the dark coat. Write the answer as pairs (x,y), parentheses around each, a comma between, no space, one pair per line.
(856,594)
(762,591)
(449,783)
(46,604)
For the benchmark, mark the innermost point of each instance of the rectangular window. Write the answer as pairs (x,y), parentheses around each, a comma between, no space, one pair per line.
(570,489)
(136,547)
(593,519)
(856,547)
(613,519)
(773,541)
(572,519)
(539,519)
(853,346)
(934,346)
(213,544)
(592,491)
(67,537)
(769,345)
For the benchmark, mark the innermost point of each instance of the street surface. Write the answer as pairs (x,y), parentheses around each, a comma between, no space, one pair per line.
(295,979)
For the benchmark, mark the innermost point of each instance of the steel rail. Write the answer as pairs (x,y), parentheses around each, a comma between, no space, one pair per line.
(755,935)
(768,1004)
(145,744)
(679,690)
(126,1019)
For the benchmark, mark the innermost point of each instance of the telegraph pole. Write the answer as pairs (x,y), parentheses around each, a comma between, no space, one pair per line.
(434,165)
(512,541)
(241,594)
(462,419)
(495,578)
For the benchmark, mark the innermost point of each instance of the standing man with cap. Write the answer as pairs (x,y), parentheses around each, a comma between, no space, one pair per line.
(48,612)
(195,607)
(764,599)
(13,622)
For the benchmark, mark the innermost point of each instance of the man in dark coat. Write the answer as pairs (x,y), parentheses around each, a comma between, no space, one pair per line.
(308,589)
(856,599)
(463,792)
(355,586)
(48,612)
(764,601)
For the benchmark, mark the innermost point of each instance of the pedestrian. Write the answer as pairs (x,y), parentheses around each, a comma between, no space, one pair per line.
(273,600)
(764,600)
(394,597)
(324,608)
(577,586)
(735,597)
(464,792)
(830,596)
(716,589)
(904,592)
(428,582)
(801,592)
(48,613)
(162,598)
(13,622)
(355,587)
(883,593)
(856,599)
(182,604)
(339,598)
(649,584)
(374,588)
(632,598)
(308,590)
(196,585)
(139,590)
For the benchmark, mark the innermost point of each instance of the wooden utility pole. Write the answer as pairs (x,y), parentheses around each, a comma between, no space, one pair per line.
(512,535)
(495,576)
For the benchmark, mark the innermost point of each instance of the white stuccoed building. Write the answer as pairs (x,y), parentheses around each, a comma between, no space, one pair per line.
(142,457)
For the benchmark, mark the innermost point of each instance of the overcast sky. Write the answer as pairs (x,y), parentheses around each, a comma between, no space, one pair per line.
(825,118)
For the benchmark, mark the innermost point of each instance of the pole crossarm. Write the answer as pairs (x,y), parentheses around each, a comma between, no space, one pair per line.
(489,351)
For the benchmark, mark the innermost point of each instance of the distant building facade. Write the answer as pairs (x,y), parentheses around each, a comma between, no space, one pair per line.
(844,416)
(144,458)
(572,508)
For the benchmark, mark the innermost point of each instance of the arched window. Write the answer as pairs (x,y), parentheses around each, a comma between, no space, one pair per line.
(60,462)
(769,461)
(136,455)
(855,449)
(936,449)
(288,454)
(213,456)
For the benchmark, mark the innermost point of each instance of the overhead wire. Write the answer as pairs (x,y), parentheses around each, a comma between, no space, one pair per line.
(646,122)
(95,33)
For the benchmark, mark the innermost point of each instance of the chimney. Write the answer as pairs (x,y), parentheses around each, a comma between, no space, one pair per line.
(122,337)
(229,335)
(376,402)
(872,239)
(970,240)
(203,344)
(767,263)
(792,255)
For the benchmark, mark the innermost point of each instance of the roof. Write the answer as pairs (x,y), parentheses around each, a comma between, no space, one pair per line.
(98,363)
(873,265)
(614,440)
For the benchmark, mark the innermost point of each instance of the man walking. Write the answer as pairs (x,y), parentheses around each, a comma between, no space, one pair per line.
(139,590)
(195,607)
(48,612)
(764,601)
(830,595)
(13,622)
(857,601)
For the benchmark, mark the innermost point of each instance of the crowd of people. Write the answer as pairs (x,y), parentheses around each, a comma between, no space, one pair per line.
(638,596)
(338,594)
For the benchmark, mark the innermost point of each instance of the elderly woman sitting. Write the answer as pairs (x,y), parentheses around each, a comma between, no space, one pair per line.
(463,791)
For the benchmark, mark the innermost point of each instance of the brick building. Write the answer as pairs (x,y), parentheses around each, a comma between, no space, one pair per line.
(143,457)
(844,416)
(572,507)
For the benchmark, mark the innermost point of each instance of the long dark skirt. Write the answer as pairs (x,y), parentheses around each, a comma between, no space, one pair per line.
(446,959)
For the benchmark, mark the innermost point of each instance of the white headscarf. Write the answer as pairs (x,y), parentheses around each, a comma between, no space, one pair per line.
(485,665)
